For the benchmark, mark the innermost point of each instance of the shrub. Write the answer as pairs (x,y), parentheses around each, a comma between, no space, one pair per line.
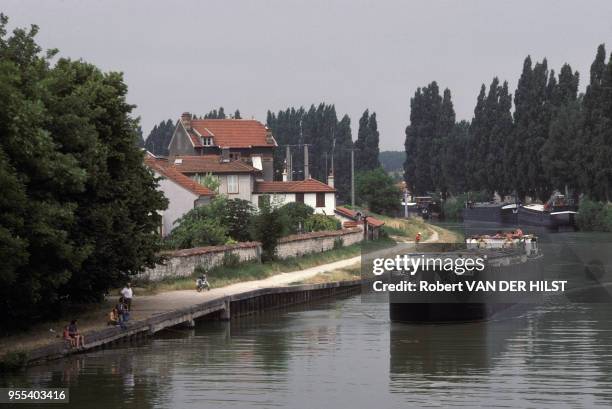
(236,216)
(295,215)
(594,216)
(321,222)
(377,190)
(202,226)
(267,227)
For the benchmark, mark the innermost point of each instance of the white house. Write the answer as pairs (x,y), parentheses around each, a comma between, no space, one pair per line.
(236,178)
(183,193)
(315,194)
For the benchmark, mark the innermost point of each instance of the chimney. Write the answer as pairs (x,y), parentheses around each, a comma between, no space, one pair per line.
(330,179)
(269,137)
(186,120)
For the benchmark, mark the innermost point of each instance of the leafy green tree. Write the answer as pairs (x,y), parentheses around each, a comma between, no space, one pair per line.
(210,181)
(237,215)
(377,190)
(267,228)
(237,114)
(597,136)
(206,225)
(295,214)
(342,159)
(321,222)
(70,157)
(327,138)
(159,138)
(432,121)
(392,161)
(366,145)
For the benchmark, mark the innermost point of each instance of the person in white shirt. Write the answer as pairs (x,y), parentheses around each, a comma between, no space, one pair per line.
(127,294)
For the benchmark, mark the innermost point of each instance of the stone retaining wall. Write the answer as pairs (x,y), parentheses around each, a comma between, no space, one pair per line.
(316,242)
(181,263)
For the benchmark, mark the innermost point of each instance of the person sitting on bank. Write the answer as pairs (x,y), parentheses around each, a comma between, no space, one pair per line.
(417,238)
(73,332)
(71,342)
(113,317)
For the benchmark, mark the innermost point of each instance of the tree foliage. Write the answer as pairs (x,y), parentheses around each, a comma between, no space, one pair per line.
(366,145)
(216,223)
(553,139)
(267,227)
(329,143)
(377,190)
(321,222)
(294,216)
(159,138)
(80,210)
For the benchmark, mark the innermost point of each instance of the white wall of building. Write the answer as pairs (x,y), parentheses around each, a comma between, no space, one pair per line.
(180,201)
(280,199)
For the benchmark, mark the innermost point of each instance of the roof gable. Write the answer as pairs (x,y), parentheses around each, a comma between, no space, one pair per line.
(232,133)
(295,186)
(168,171)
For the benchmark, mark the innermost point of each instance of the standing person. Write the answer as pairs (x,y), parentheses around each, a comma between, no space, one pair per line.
(417,239)
(122,311)
(127,294)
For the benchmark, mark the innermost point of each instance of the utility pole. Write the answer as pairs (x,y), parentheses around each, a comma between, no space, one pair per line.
(288,162)
(353,178)
(306,170)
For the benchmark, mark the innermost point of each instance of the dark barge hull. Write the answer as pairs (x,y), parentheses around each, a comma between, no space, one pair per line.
(440,313)
(551,220)
(490,214)
(448,307)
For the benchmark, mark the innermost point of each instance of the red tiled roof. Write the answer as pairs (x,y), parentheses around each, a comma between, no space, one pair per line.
(210,164)
(294,186)
(374,222)
(351,214)
(231,133)
(346,212)
(168,171)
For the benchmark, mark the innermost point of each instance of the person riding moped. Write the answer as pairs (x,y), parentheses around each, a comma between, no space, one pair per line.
(202,281)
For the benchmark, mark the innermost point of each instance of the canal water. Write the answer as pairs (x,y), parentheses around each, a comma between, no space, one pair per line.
(346,354)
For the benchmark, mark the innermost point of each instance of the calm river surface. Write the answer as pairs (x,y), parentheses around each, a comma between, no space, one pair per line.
(346,354)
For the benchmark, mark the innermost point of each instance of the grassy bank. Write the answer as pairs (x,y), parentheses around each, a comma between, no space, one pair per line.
(225,275)
(342,274)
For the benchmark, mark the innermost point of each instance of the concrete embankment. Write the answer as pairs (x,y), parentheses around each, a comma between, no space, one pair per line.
(224,307)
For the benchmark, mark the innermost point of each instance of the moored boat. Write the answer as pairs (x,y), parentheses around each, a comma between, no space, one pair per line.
(509,257)
(556,214)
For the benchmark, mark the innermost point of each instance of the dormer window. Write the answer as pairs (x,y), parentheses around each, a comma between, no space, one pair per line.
(207,141)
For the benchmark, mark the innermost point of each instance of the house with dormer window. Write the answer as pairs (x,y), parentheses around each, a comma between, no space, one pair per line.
(245,140)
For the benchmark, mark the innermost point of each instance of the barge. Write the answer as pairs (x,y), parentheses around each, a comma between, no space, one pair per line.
(509,257)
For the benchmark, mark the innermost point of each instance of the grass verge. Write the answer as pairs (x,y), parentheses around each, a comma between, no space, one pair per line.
(342,274)
(225,275)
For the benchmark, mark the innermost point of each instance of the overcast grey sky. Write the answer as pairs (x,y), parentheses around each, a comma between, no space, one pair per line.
(195,55)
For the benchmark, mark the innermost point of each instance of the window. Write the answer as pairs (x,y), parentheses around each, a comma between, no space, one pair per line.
(299,197)
(263,200)
(232,184)
(320,199)
(207,141)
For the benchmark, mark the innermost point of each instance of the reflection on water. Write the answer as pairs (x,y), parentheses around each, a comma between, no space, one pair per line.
(347,354)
